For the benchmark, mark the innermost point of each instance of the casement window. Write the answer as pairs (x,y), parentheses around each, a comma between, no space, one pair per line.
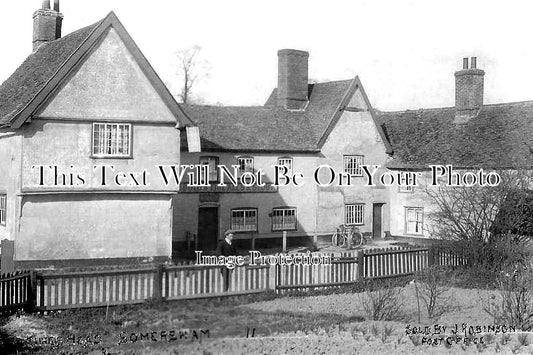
(409,188)
(414,219)
(246,165)
(286,161)
(406,182)
(354,214)
(352,164)
(244,219)
(212,162)
(283,218)
(111,140)
(406,188)
(3,208)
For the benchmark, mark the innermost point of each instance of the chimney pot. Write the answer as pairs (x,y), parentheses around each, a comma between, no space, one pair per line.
(468,91)
(46,24)
(292,79)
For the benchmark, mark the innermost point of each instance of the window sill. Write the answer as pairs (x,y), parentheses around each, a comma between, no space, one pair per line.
(285,230)
(111,157)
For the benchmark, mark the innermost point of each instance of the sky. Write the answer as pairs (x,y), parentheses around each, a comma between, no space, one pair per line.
(404,51)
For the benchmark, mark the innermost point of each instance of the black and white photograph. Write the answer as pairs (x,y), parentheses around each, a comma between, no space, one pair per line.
(266,177)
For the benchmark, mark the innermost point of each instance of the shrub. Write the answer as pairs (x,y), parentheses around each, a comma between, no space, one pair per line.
(415,339)
(387,331)
(496,254)
(383,302)
(523,339)
(431,284)
(505,339)
(513,303)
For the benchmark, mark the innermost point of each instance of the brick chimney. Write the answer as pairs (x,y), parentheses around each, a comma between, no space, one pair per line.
(46,24)
(292,79)
(468,91)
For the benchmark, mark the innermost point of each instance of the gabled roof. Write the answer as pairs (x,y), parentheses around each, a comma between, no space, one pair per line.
(272,128)
(501,136)
(23,93)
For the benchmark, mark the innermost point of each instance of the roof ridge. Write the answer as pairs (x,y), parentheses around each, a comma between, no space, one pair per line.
(380,112)
(512,103)
(499,104)
(330,81)
(228,106)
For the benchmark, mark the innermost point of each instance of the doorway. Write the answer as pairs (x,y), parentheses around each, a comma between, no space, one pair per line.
(207,228)
(377,220)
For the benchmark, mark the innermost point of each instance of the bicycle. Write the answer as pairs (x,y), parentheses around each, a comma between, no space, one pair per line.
(346,237)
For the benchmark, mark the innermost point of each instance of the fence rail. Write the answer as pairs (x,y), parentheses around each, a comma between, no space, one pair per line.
(366,264)
(342,270)
(54,291)
(16,290)
(200,281)
(94,288)
(388,262)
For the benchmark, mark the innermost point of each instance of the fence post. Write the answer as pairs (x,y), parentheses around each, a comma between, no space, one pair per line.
(158,282)
(431,255)
(6,262)
(32,292)
(284,241)
(360,265)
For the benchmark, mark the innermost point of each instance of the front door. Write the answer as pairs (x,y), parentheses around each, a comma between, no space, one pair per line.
(207,228)
(376,220)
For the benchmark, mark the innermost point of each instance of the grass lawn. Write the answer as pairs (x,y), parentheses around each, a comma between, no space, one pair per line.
(259,324)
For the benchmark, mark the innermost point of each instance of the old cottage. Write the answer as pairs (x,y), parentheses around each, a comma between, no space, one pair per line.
(84,121)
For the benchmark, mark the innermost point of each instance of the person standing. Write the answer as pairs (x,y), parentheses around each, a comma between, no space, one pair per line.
(226,248)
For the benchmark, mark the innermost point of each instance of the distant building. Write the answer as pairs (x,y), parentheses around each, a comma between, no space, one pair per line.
(75,104)
(469,136)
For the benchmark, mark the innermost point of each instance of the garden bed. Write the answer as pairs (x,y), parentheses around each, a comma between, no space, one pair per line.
(260,324)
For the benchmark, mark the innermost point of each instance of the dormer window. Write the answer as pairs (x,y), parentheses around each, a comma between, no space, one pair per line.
(246,165)
(287,162)
(111,140)
(352,164)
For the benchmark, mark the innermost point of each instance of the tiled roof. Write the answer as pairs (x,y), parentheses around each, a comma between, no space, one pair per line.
(252,128)
(324,98)
(501,136)
(36,78)
(33,74)
(269,127)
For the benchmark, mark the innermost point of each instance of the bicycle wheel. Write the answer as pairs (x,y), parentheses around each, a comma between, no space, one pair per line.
(338,239)
(334,239)
(357,239)
(343,240)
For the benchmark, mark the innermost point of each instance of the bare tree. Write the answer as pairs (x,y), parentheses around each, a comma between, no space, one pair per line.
(488,224)
(191,70)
